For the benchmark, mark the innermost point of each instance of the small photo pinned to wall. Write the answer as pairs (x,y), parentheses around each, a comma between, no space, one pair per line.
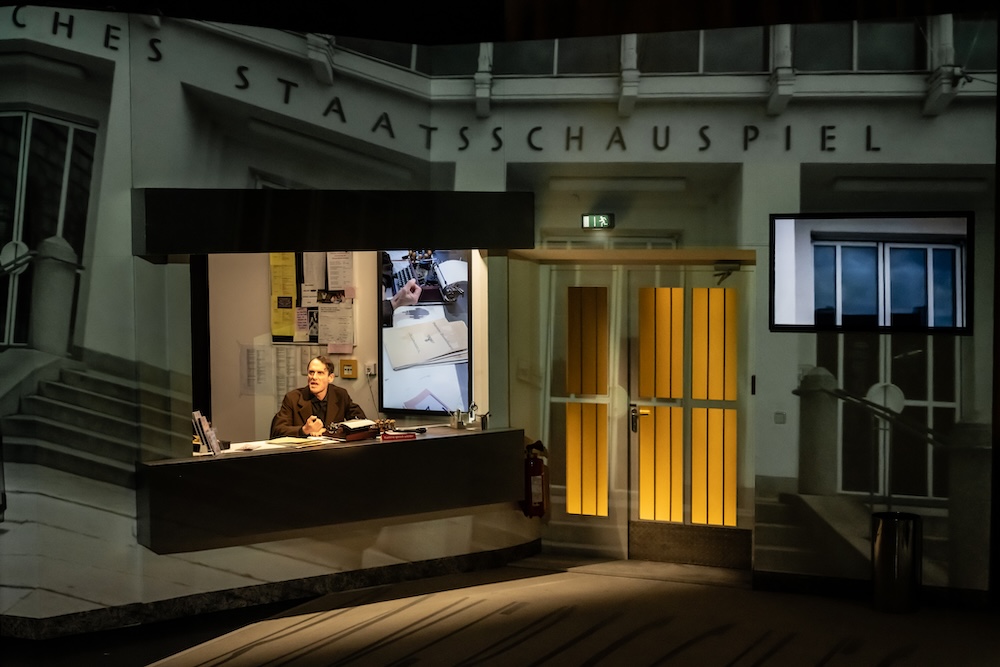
(330,296)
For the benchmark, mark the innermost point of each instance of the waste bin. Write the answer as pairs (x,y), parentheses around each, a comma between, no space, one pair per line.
(897,558)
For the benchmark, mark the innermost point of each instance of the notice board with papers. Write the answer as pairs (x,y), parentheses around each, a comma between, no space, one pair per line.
(312,299)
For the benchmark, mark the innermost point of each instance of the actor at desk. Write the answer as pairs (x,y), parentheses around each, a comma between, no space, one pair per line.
(307,411)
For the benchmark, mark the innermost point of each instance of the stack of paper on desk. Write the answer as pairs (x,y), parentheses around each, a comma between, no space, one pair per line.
(291,441)
(435,342)
(287,440)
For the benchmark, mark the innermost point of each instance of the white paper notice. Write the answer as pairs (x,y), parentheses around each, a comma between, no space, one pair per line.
(336,323)
(309,295)
(286,369)
(339,270)
(301,325)
(255,370)
(314,268)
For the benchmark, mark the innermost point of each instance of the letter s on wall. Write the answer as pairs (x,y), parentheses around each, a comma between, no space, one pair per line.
(241,72)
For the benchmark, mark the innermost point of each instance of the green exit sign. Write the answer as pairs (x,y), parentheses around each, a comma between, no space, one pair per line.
(598,221)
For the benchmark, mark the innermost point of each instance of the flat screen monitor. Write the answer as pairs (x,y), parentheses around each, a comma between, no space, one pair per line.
(425,341)
(882,272)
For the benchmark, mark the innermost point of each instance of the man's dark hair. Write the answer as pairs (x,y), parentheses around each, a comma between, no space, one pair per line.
(327,361)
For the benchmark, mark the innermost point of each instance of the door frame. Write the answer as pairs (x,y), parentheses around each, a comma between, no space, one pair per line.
(581,533)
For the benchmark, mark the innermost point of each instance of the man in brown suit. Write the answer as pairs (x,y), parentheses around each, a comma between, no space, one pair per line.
(308,411)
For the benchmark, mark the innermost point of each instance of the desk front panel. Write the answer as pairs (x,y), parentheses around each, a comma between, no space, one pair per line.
(248,497)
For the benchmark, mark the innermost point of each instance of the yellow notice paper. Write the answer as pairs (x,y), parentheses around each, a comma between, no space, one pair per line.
(283,292)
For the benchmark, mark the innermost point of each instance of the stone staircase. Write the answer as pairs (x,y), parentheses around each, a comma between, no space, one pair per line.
(781,542)
(831,536)
(97,425)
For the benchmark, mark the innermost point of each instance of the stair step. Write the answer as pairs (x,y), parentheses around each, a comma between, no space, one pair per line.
(110,426)
(75,438)
(936,547)
(122,389)
(52,455)
(114,407)
(773,511)
(780,535)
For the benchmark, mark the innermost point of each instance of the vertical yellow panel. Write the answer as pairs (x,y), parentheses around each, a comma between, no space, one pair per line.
(662,462)
(647,464)
(729,485)
(588,459)
(663,332)
(573,462)
(677,464)
(588,343)
(715,463)
(699,343)
(716,343)
(573,340)
(699,465)
(647,342)
(602,460)
(677,347)
(731,333)
(601,321)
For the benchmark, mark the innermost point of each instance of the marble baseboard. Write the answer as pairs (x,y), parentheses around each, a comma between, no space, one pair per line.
(109,618)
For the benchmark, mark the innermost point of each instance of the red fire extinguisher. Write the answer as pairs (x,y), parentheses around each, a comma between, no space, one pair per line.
(536,480)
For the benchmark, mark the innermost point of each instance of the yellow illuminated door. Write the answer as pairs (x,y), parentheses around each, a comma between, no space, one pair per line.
(642,391)
(683,411)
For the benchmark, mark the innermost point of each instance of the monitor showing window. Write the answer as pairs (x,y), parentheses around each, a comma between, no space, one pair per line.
(871,272)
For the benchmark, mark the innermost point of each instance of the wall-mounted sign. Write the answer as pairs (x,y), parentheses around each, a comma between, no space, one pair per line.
(598,220)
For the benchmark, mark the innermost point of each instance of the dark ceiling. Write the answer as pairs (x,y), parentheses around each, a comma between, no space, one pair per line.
(469,21)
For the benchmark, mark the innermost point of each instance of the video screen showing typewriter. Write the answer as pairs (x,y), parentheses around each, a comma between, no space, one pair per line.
(425,337)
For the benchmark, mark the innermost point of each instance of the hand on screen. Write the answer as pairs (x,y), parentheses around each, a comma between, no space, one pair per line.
(407,295)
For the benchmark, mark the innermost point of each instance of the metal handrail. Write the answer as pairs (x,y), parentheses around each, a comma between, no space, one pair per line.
(892,417)
(17,262)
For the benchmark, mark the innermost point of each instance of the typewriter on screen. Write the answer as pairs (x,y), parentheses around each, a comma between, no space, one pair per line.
(439,282)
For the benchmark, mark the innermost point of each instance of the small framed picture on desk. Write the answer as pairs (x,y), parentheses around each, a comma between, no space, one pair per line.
(349,369)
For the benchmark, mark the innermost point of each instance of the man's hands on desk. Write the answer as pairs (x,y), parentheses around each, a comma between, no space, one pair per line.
(313,426)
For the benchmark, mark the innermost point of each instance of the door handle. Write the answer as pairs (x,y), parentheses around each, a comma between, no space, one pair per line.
(634,413)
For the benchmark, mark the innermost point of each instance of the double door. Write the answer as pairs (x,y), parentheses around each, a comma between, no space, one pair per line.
(645,386)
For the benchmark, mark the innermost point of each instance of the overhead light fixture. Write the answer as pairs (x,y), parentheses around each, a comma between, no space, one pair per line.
(903,184)
(618,184)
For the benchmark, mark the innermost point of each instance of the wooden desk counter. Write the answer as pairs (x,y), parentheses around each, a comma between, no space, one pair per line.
(238,498)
